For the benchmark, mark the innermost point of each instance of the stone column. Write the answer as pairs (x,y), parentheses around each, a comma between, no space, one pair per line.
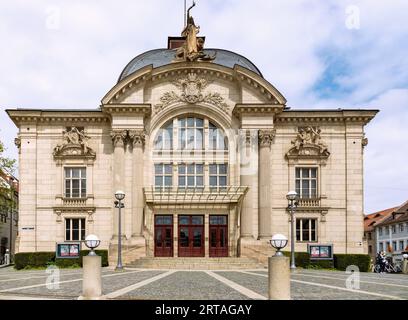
(264,190)
(138,140)
(118,139)
(247,172)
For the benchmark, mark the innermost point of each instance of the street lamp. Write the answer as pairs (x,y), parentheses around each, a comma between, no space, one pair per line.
(292,197)
(119,195)
(279,241)
(92,242)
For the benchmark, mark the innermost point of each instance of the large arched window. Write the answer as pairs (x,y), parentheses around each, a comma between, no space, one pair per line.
(191,135)
(190,153)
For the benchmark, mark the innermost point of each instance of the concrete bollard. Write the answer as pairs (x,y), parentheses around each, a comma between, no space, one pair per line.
(7,258)
(92,278)
(279,278)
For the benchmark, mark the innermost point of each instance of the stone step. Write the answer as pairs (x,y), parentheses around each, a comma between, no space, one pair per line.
(195,263)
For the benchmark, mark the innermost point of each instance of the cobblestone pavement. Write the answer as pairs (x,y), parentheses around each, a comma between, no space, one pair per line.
(200,285)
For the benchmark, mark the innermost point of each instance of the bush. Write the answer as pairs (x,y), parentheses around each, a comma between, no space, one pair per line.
(33,259)
(302,258)
(26,260)
(342,261)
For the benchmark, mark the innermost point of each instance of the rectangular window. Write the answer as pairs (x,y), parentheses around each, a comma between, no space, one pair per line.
(369,236)
(380,232)
(163,175)
(75,182)
(370,249)
(306,182)
(74,229)
(401,227)
(218,175)
(191,175)
(394,229)
(394,246)
(401,245)
(306,230)
(381,246)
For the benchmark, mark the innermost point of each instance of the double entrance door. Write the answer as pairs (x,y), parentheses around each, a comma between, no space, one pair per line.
(191,235)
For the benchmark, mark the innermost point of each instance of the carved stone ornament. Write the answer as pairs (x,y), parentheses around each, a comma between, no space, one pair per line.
(138,137)
(17,142)
(75,144)
(308,144)
(266,137)
(191,88)
(364,142)
(119,138)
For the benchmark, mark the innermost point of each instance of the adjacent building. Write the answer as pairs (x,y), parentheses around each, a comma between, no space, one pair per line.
(392,232)
(205,149)
(8,213)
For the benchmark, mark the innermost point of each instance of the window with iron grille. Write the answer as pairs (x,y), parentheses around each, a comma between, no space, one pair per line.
(191,175)
(306,182)
(75,182)
(74,229)
(306,230)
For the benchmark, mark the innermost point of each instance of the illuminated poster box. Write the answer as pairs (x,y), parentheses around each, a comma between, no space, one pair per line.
(68,250)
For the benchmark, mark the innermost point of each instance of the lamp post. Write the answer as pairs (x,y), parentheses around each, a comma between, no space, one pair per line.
(119,195)
(92,273)
(292,197)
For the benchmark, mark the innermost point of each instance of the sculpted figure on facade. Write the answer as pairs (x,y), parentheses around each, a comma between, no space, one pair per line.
(138,137)
(308,142)
(75,143)
(266,137)
(193,48)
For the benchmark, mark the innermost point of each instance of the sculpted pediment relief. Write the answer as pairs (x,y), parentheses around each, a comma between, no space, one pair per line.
(74,145)
(191,91)
(308,144)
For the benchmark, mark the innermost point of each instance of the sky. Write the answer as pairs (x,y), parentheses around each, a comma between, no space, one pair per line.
(318,53)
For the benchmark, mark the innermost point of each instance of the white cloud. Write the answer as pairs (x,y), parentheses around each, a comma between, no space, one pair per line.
(303,47)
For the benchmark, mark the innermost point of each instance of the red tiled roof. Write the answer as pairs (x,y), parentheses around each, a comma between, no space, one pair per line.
(375,218)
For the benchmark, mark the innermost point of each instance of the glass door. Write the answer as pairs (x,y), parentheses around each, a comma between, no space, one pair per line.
(218,236)
(191,236)
(163,236)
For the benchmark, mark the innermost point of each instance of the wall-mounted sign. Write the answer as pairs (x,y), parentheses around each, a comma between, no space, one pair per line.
(68,250)
(320,251)
(27,228)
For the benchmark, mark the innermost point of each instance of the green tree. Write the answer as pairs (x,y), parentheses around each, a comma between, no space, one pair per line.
(7,165)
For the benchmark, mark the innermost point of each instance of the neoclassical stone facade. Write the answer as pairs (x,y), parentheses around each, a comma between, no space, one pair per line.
(205,151)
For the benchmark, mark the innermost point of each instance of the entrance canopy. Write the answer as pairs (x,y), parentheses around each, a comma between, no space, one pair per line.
(178,195)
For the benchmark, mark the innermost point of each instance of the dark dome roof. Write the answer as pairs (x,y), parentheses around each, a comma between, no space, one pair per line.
(161,57)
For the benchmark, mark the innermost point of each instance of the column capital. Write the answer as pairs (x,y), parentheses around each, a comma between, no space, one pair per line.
(266,137)
(138,137)
(118,137)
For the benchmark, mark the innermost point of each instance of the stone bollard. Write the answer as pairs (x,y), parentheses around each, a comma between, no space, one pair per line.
(279,278)
(92,278)
(7,258)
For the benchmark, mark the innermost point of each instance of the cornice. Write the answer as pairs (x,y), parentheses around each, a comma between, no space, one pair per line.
(328,116)
(128,108)
(237,73)
(63,116)
(258,108)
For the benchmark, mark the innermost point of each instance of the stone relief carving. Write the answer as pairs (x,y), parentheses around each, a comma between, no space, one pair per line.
(308,142)
(75,144)
(266,137)
(17,142)
(191,88)
(364,141)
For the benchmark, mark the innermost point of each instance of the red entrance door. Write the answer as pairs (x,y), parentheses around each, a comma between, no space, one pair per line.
(191,236)
(218,236)
(163,236)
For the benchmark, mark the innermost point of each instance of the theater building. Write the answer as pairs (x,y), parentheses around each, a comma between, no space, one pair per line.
(205,149)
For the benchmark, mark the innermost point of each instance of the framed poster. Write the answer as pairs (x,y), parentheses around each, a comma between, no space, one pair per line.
(68,250)
(320,251)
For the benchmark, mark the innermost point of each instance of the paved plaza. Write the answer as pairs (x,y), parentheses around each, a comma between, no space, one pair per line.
(151,284)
